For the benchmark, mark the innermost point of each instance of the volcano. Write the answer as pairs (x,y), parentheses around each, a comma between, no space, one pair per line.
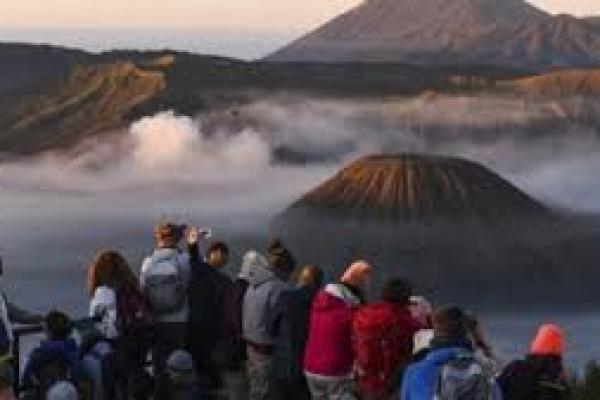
(450,32)
(409,187)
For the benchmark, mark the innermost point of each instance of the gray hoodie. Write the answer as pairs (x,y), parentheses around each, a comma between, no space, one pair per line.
(259,302)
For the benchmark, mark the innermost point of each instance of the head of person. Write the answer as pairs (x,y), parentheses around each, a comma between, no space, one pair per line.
(450,322)
(358,275)
(63,390)
(58,326)
(548,342)
(311,276)
(217,255)
(251,260)
(421,310)
(110,269)
(280,259)
(180,368)
(397,291)
(168,235)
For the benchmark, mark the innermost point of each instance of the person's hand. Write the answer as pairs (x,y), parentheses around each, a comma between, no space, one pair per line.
(192,235)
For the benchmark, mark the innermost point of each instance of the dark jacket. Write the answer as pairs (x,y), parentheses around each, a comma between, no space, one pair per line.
(290,331)
(64,353)
(232,347)
(535,377)
(207,291)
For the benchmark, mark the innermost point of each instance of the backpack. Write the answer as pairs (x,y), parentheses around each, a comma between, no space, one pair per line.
(134,312)
(381,346)
(464,378)
(166,291)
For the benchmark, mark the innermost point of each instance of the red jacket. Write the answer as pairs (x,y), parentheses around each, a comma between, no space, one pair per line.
(382,339)
(329,348)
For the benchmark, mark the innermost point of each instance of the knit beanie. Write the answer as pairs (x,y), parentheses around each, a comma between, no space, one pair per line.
(549,341)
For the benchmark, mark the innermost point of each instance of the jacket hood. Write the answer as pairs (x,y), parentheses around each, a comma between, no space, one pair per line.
(259,271)
(335,295)
(164,254)
(442,356)
(250,261)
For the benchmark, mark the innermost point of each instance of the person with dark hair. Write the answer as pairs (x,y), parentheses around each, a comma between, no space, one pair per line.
(329,359)
(207,289)
(382,338)
(290,331)
(267,282)
(55,360)
(450,368)
(541,375)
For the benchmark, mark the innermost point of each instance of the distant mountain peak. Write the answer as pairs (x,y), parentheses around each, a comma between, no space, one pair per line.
(446,31)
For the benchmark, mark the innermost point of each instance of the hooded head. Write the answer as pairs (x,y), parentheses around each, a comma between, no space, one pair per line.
(357,275)
(251,261)
(549,341)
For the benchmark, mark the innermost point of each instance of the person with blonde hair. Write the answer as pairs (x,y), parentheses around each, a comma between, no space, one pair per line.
(328,358)
(164,280)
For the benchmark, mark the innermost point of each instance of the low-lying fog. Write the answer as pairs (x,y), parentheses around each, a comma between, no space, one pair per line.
(235,169)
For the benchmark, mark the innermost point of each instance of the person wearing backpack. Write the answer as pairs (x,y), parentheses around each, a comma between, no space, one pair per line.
(55,360)
(207,291)
(450,370)
(382,338)
(164,280)
(328,358)
(267,282)
(290,331)
(541,375)
(115,352)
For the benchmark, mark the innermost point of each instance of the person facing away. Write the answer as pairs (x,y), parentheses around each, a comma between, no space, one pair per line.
(290,330)
(328,358)
(124,318)
(164,280)
(382,338)
(55,360)
(232,346)
(541,375)
(266,284)
(450,369)
(207,290)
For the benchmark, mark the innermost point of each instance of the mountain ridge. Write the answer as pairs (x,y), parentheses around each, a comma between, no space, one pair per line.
(507,32)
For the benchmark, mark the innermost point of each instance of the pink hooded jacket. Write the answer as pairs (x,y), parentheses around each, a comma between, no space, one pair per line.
(328,351)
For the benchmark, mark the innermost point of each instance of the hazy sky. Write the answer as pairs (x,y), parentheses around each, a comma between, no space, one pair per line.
(242,28)
(208,14)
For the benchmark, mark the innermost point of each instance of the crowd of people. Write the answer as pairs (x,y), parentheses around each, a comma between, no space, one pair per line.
(184,330)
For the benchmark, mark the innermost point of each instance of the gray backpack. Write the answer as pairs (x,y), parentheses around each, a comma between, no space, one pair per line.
(465,378)
(165,288)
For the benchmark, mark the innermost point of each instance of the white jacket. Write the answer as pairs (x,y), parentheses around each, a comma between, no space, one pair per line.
(104,305)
